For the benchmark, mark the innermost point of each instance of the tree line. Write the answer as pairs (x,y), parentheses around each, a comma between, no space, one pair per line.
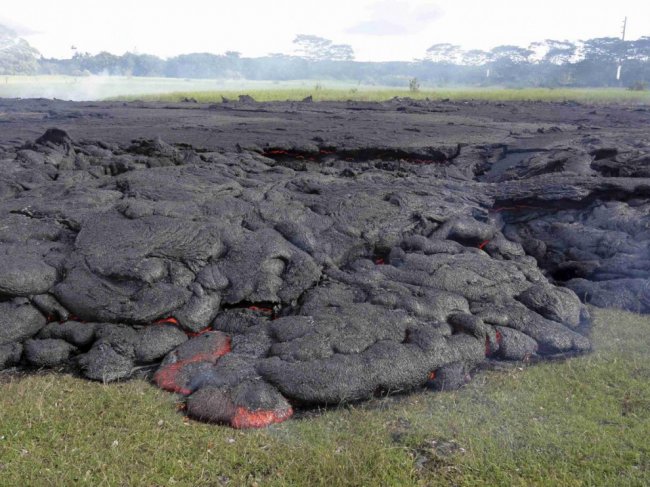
(549,63)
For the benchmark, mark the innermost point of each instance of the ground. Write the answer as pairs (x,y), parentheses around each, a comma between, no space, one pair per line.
(584,421)
(323,253)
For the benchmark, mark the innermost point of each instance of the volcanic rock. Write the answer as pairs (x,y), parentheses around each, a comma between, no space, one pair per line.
(73,332)
(104,363)
(48,352)
(18,320)
(10,354)
(335,259)
(156,341)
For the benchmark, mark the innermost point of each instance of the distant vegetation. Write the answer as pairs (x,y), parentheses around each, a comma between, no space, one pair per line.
(16,55)
(550,63)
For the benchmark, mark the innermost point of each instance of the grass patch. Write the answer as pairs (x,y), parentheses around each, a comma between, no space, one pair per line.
(585,421)
(588,95)
(211,90)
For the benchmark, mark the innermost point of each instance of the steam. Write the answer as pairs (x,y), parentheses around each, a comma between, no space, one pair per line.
(103,86)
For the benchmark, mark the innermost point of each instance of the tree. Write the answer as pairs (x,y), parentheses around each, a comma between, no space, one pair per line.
(444,53)
(16,55)
(317,48)
(511,54)
(606,49)
(639,50)
(559,52)
(476,57)
(142,64)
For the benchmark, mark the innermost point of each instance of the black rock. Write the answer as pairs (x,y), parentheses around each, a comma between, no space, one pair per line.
(48,352)
(73,332)
(19,320)
(104,363)
(315,253)
(10,354)
(156,341)
(54,136)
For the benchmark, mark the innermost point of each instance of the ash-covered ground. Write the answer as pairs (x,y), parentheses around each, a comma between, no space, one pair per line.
(280,255)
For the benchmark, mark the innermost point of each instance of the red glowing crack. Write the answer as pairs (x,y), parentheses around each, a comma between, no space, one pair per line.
(198,333)
(170,320)
(488,347)
(166,376)
(260,309)
(173,321)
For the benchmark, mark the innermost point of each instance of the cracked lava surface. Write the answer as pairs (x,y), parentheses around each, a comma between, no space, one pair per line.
(262,257)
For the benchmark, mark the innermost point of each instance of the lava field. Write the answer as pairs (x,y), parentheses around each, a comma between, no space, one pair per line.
(259,258)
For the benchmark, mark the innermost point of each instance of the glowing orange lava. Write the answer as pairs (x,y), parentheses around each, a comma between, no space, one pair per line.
(167,375)
(245,419)
(170,320)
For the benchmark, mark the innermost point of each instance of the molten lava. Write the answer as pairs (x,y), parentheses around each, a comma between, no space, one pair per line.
(170,320)
(167,375)
(261,309)
(245,418)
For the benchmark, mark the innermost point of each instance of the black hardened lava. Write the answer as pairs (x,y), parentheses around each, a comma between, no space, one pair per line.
(259,278)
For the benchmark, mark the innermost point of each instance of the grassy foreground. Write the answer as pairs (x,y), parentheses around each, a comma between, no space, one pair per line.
(585,421)
(587,95)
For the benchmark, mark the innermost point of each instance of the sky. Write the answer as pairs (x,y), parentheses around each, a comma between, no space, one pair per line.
(378,30)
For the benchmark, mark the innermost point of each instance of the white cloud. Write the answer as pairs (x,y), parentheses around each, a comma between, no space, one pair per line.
(19,29)
(393,18)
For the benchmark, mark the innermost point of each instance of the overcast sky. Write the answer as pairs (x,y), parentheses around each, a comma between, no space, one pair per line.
(377,30)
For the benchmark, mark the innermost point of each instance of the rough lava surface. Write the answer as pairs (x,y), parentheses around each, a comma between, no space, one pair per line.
(259,258)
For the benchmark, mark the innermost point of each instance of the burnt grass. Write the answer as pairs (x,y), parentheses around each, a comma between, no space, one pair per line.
(262,258)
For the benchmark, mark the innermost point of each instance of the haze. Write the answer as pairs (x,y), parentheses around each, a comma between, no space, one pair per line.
(377,30)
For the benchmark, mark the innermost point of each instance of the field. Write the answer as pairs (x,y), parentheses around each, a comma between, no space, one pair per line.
(584,421)
(382,94)
(206,90)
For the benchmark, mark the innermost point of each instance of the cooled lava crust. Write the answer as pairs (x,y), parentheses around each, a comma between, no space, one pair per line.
(267,257)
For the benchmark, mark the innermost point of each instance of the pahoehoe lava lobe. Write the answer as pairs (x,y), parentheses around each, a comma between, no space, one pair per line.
(385,248)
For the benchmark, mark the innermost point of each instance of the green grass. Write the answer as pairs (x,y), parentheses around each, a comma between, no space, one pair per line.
(589,95)
(211,90)
(585,421)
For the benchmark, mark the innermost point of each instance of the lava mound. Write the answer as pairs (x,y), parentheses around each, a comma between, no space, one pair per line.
(255,282)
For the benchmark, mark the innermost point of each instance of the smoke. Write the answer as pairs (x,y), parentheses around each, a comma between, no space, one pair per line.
(93,87)
(103,86)
(81,88)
